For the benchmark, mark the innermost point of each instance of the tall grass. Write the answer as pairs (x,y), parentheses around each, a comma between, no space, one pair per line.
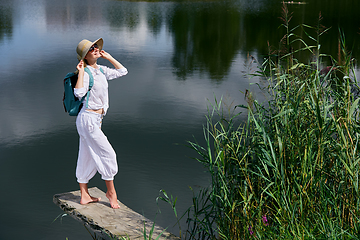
(291,170)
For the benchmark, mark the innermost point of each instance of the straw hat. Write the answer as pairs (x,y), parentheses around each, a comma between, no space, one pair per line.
(83,47)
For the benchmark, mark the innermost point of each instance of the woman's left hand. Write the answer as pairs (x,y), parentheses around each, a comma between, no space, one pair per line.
(105,55)
(114,62)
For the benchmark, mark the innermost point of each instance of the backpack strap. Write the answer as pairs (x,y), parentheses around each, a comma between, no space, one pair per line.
(91,83)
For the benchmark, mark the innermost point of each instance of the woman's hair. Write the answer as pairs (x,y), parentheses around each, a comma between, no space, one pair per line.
(85,62)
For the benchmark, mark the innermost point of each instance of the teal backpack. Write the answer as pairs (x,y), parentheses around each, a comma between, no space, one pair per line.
(72,104)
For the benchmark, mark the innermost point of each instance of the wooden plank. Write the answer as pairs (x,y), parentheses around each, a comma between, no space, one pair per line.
(105,222)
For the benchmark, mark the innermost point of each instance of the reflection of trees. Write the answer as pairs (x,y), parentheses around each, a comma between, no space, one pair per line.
(154,18)
(343,14)
(67,13)
(205,38)
(208,35)
(263,27)
(124,15)
(6,24)
(129,15)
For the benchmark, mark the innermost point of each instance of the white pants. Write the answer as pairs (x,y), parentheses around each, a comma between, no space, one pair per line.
(95,152)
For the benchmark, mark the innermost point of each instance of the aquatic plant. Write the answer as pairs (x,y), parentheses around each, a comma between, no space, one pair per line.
(291,170)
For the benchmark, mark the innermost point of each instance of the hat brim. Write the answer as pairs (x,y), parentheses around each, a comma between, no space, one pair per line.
(99,42)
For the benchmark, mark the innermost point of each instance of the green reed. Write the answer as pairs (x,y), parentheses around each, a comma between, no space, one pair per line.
(291,170)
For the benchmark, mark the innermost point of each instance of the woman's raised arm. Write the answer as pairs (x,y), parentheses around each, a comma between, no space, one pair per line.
(112,60)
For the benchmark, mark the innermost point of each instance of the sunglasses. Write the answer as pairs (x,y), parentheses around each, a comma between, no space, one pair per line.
(93,47)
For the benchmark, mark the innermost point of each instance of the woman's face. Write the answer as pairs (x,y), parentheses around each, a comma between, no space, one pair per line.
(93,53)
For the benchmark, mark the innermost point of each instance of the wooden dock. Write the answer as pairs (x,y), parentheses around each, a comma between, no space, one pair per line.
(105,222)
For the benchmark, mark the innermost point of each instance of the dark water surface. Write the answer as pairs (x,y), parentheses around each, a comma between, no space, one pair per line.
(179,56)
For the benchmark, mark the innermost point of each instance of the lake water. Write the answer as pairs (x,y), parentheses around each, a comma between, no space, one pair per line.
(180,56)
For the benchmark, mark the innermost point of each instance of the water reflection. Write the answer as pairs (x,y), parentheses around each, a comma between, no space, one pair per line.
(125,15)
(6,20)
(206,38)
(65,15)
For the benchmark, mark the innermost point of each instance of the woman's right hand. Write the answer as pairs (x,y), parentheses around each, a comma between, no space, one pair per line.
(80,66)
(80,81)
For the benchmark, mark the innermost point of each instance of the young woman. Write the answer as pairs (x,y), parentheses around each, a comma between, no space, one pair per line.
(95,152)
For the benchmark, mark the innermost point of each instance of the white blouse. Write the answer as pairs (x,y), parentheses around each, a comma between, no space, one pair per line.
(99,97)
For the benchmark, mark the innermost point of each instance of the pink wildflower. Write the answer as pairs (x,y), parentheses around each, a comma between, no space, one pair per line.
(250,230)
(265,221)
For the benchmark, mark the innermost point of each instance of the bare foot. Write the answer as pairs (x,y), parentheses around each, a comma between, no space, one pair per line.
(86,198)
(113,199)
